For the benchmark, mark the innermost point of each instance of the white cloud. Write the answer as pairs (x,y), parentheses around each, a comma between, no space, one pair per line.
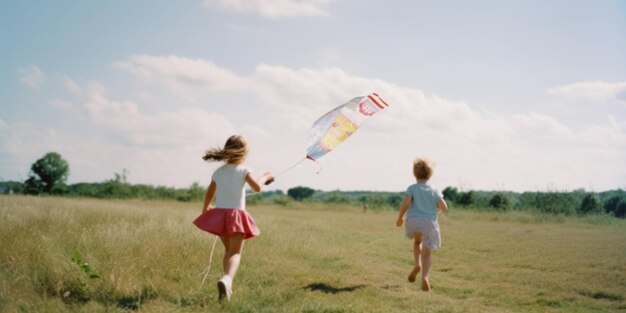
(163,147)
(295,95)
(21,143)
(61,104)
(31,76)
(72,87)
(275,8)
(328,56)
(174,129)
(538,124)
(182,75)
(597,91)
(611,134)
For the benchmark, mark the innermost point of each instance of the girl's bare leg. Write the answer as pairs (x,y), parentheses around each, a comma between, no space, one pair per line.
(417,247)
(225,259)
(232,257)
(425,258)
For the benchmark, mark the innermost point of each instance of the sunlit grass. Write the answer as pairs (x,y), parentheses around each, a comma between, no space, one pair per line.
(83,255)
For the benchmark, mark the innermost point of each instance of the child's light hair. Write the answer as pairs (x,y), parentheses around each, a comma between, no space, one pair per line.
(235,151)
(423,169)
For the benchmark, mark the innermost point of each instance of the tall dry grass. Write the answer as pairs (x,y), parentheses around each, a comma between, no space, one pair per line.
(84,255)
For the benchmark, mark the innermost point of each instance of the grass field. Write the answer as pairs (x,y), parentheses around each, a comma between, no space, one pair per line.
(84,255)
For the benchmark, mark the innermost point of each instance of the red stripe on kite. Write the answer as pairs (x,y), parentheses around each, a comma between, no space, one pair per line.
(376,102)
(381,99)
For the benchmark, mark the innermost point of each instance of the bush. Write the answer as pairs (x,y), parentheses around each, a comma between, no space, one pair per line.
(338,198)
(466,199)
(9,187)
(616,205)
(556,202)
(395,200)
(500,201)
(450,194)
(300,193)
(373,201)
(526,201)
(590,205)
(281,200)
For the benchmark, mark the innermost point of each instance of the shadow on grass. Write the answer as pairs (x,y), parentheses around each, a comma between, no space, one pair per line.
(129,303)
(602,295)
(330,289)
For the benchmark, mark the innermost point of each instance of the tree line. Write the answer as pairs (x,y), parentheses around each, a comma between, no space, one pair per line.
(49,174)
(577,202)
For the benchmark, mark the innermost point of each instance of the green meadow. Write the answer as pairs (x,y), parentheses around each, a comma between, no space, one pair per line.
(87,255)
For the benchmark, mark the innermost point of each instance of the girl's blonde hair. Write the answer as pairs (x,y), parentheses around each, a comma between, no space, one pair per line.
(422,169)
(235,151)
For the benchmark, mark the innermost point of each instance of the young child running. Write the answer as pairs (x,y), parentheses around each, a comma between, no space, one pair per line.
(229,219)
(422,203)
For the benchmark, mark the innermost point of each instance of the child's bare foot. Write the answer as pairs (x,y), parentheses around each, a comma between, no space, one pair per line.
(414,272)
(425,284)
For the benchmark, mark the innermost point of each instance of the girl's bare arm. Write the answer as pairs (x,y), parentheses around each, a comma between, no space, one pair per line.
(256,184)
(208,197)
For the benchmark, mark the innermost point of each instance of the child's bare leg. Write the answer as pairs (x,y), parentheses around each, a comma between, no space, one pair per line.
(417,247)
(226,256)
(232,257)
(425,257)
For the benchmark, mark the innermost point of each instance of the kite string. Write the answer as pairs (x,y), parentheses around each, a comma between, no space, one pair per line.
(286,170)
(206,271)
(298,163)
(279,174)
(291,167)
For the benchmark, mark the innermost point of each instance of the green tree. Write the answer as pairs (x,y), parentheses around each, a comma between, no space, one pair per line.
(195,192)
(337,197)
(590,204)
(372,200)
(556,202)
(527,200)
(118,187)
(500,201)
(616,205)
(621,210)
(395,200)
(450,194)
(48,174)
(466,198)
(12,187)
(300,193)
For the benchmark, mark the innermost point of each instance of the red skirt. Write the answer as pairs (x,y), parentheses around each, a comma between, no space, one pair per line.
(227,222)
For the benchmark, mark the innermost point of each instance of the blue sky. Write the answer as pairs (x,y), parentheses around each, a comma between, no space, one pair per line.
(514,95)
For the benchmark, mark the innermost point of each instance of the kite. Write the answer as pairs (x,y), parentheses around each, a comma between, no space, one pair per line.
(338,124)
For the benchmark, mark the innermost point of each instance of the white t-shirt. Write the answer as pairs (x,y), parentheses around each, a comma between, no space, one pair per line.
(230,180)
